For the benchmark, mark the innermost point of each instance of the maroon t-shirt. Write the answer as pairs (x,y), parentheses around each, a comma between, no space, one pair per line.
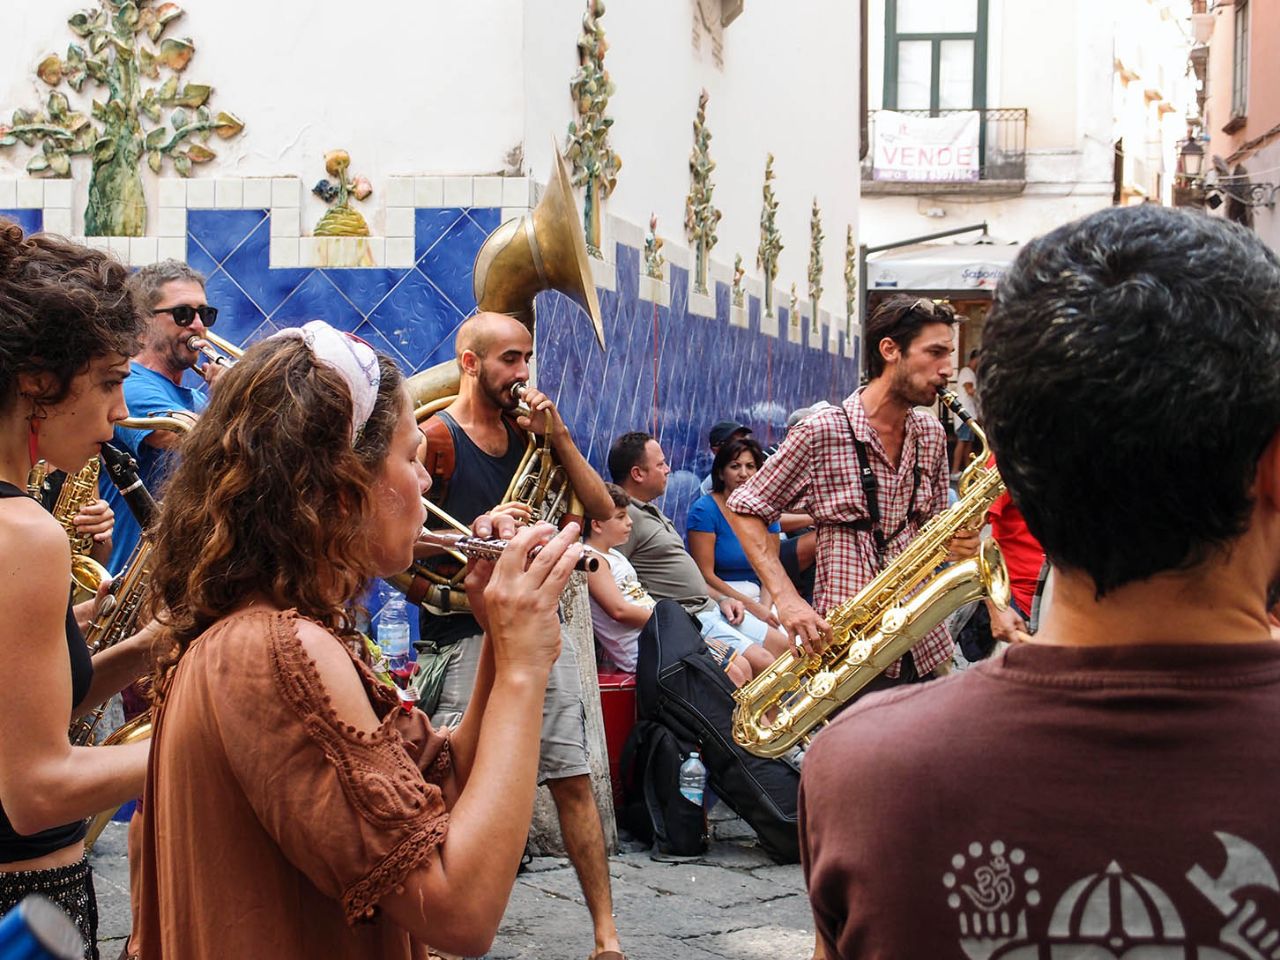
(1054,802)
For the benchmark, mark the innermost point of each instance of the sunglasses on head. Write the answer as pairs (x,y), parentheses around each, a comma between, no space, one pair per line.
(932,308)
(183,314)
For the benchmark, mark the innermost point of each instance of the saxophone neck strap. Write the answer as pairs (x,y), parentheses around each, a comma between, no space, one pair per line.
(871,492)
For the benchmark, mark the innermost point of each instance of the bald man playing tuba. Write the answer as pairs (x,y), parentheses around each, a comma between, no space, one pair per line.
(488,441)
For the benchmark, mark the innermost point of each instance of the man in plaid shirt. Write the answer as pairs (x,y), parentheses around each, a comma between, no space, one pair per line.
(817,471)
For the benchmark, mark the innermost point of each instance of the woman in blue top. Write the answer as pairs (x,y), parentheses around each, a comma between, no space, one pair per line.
(712,542)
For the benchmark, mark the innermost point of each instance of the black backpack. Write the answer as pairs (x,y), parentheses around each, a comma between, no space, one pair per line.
(654,810)
(680,686)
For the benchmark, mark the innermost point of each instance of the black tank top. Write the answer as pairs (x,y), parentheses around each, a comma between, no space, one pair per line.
(14,846)
(477,484)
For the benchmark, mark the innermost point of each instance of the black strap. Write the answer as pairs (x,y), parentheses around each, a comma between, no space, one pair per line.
(871,489)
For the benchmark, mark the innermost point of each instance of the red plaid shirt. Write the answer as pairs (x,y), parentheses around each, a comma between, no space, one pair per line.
(815,471)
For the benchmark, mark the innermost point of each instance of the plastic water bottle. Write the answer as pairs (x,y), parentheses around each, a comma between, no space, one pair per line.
(393,637)
(693,779)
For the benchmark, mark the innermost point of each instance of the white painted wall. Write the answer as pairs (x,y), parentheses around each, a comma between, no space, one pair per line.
(450,88)
(406,86)
(789,85)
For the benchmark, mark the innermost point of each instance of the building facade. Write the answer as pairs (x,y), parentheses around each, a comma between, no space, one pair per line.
(1233,167)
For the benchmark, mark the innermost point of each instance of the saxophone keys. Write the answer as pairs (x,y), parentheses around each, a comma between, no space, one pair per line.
(860,651)
(821,684)
(894,620)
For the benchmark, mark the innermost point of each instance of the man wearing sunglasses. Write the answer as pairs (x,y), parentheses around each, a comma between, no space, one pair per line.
(172,298)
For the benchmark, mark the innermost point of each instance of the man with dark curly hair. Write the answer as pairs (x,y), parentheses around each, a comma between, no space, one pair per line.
(1107,788)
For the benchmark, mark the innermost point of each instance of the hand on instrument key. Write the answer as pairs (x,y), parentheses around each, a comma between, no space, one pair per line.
(96,518)
(518,511)
(963,545)
(808,631)
(521,601)
(544,418)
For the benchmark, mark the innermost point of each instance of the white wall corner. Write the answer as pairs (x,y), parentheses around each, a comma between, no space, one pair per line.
(30,194)
(653,290)
(172,192)
(8,194)
(458,192)
(286,222)
(399,192)
(257,193)
(143,251)
(626,233)
(57,194)
(700,304)
(229,193)
(286,192)
(201,194)
(604,274)
(171,248)
(284,252)
(57,220)
(171,222)
(428,191)
(738,317)
(511,213)
(516,192)
(399,252)
(768,324)
(486,191)
(400,222)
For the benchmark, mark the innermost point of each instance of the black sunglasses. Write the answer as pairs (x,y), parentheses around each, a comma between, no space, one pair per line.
(183,314)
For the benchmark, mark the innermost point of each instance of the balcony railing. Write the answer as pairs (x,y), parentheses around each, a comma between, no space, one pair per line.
(1002,141)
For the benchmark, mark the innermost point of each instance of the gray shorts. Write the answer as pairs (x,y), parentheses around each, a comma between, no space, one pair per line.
(563,751)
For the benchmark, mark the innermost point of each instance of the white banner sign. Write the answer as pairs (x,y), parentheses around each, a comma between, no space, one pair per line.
(926,148)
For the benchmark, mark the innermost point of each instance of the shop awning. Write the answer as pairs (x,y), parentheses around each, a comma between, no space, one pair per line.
(940,266)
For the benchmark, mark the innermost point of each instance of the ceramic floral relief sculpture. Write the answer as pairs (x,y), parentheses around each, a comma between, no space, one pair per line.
(653,256)
(850,280)
(738,273)
(340,220)
(700,214)
(794,309)
(595,165)
(815,260)
(123,51)
(770,237)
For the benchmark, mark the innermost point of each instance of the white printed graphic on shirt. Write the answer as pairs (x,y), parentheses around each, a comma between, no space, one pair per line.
(1112,915)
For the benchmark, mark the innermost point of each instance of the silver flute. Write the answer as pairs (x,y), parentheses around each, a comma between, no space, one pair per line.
(479,547)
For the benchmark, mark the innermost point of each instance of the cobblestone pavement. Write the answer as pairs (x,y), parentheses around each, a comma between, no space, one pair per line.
(734,902)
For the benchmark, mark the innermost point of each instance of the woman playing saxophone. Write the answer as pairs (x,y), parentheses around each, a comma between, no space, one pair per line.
(67,328)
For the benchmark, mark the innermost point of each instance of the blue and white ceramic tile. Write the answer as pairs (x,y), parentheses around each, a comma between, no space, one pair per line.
(665,371)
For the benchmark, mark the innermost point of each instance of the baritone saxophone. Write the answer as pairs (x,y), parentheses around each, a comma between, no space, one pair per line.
(785,703)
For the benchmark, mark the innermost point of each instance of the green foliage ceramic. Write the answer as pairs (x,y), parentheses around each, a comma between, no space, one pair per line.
(700,215)
(595,165)
(815,260)
(850,279)
(122,50)
(738,273)
(770,237)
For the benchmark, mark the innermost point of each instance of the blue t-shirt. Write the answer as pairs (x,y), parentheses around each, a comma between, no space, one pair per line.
(146,393)
(731,561)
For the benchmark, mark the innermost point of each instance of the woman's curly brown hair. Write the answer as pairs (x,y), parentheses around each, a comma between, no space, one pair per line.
(270,497)
(61,306)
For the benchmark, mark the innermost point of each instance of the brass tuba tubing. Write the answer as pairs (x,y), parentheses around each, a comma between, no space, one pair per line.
(480,548)
(216,350)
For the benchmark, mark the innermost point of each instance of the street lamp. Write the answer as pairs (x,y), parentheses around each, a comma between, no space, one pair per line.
(1191,159)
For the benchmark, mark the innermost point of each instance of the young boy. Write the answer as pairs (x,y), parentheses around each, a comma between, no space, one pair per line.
(620,606)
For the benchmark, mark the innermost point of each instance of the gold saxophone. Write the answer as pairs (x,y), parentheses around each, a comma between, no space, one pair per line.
(884,620)
(78,490)
(118,615)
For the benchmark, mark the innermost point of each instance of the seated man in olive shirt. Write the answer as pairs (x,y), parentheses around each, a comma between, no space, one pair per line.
(1108,788)
(638,465)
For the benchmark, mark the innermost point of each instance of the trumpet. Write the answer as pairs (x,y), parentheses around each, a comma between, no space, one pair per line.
(216,351)
(482,549)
